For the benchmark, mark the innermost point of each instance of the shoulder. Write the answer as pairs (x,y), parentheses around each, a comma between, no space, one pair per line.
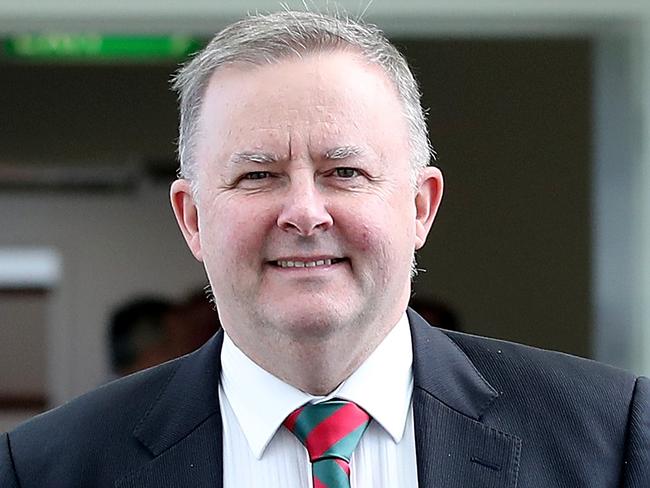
(573,414)
(505,362)
(118,428)
(521,376)
(117,401)
(93,431)
(551,391)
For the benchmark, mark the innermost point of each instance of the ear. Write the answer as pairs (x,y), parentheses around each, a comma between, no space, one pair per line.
(187,215)
(427,201)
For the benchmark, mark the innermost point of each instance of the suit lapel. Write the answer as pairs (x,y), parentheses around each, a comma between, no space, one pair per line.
(454,447)
(182,428)
(194,461)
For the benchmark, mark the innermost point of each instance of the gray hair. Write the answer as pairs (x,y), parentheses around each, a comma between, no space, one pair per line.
(268,38)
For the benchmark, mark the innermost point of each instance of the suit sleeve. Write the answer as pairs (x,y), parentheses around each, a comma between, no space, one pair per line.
(8,477)
(636,466)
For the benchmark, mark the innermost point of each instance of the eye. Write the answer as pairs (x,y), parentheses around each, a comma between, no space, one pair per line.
(346,172)
(256,175)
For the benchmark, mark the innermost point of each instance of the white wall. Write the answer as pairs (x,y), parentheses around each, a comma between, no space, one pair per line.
(627,20)
(113,247)
(620,201)
(406,16)
(505,114)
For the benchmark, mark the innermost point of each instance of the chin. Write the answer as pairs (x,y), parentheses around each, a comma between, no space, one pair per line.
(305,322)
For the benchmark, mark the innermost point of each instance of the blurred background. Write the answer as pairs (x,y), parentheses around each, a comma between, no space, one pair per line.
(539,112)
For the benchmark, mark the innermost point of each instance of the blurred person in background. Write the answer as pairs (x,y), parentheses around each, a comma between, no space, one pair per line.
(305,191)
(436,313)
(191,323)
(148,331)
(137,336)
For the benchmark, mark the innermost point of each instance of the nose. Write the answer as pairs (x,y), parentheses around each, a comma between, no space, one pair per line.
(304,211)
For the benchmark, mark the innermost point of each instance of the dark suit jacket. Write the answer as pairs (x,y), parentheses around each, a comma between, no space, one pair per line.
(487,414)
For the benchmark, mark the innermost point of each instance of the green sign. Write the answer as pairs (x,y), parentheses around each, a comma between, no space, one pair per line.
(91,47)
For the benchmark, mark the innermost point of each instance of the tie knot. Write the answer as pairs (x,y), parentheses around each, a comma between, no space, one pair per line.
(331,429)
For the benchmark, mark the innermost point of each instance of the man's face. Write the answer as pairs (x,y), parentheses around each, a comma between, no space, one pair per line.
(305,216)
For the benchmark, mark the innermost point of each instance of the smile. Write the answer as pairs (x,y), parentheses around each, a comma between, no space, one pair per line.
(306,264)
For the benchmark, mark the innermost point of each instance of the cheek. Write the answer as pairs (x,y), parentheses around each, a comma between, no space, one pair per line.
(365,239)
(387,222)
(230,234)
(385,237)
(372,240)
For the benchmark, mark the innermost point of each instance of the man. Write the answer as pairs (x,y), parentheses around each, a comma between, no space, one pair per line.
(305,192)
(136,334)
(150,330)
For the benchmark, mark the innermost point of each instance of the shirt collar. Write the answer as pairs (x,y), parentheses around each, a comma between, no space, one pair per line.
(382,386)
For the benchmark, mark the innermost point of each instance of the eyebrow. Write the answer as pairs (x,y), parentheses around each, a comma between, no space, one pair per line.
(336,153)
(343,152)
(253,157)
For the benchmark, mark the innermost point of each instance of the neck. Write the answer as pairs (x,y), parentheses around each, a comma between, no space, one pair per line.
(315,365)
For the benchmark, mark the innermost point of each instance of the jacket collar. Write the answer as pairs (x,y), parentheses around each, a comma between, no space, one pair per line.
(450,398)
(443,371)
(182,428)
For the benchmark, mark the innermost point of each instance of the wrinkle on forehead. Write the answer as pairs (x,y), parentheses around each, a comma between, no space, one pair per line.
(253,157)
(302,109)
(336,153)
(343,152)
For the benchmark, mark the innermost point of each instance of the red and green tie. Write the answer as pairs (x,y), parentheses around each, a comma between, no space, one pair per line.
(330,431)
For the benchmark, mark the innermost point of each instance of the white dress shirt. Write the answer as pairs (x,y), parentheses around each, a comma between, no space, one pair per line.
(259,452)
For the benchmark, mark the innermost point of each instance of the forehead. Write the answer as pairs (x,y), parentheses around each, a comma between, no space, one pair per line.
(322,99)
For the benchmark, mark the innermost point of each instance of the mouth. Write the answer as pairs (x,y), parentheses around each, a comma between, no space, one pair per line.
(306,263)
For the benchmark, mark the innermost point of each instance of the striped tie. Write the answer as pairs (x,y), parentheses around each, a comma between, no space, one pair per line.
(330,431)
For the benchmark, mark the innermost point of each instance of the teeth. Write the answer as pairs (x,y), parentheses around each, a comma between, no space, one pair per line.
(304,264)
